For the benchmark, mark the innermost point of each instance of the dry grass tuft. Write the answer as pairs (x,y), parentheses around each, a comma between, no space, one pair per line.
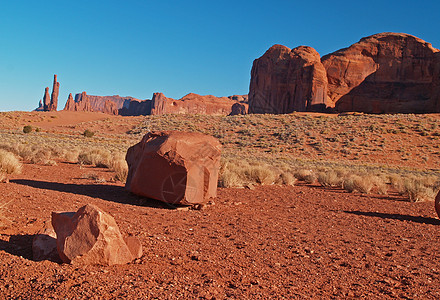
(98,157)
(417,191)
(120,167)
(330,179)
(9,164)
(305,175)
(362,184)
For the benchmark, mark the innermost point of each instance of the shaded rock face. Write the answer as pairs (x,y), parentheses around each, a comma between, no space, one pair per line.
(285,80)
(194,104)
(174,167)
(239,109)
(91,236)
(44,245)
(115,105)
(383,73)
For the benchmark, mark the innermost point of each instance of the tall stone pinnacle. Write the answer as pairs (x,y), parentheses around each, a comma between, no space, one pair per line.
(55,92)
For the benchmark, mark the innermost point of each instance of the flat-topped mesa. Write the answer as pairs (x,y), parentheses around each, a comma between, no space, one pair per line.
(114,105)
(195,104)
(285,80)
(384,73)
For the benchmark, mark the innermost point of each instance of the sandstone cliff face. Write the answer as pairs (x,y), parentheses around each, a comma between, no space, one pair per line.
(383,73)
(285,80)
(193,104)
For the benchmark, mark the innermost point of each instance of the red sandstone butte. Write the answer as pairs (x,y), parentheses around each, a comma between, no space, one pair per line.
(285,80)
(384,73)
(174,167)
(193,104)
(114,105)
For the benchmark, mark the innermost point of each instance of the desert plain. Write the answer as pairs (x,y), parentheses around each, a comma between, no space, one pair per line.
(281,229)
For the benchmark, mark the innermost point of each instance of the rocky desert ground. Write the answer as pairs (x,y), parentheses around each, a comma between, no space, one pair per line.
(281,230)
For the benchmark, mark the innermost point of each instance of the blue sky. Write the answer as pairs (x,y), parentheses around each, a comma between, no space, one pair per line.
(135,48)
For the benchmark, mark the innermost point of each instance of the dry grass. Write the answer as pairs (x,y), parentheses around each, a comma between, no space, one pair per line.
(306,175)
(9,164)
(96,156)
(271,149)
(119,165)
(330,179)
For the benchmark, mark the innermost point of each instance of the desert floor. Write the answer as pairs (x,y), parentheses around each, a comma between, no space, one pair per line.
(301,241)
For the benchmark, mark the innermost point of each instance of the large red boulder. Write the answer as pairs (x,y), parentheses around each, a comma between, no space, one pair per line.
(285,80)
(174,167)
(91,236)
(383,73)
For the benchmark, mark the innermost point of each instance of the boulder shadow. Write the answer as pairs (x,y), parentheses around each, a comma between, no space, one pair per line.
(112,193)
(421,220)
(18,245)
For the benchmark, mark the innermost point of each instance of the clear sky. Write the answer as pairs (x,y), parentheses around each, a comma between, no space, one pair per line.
(135,48)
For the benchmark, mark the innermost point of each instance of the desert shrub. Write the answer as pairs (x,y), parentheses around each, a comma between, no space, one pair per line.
(417,191)
(229,179)
(9,164)
(42,156)
(305,175)
(362,184)
(38,129)
(261,174)
(329,179)
(98,157)
(379,185)
(120,167)
(88,133)
(27,129)
(287,178)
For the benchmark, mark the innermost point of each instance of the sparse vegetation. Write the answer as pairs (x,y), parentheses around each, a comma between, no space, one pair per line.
(88,133)
(270,149)
(27,129)
(9,164)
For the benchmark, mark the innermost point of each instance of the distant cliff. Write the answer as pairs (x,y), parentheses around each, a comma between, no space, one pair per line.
(115,105)
(197,104)
(159,105)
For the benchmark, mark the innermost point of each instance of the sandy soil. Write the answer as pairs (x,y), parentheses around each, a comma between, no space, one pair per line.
(269,242)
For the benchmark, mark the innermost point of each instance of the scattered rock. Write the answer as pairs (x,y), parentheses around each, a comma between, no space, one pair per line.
(91,236)
(44,245)
(174,167)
